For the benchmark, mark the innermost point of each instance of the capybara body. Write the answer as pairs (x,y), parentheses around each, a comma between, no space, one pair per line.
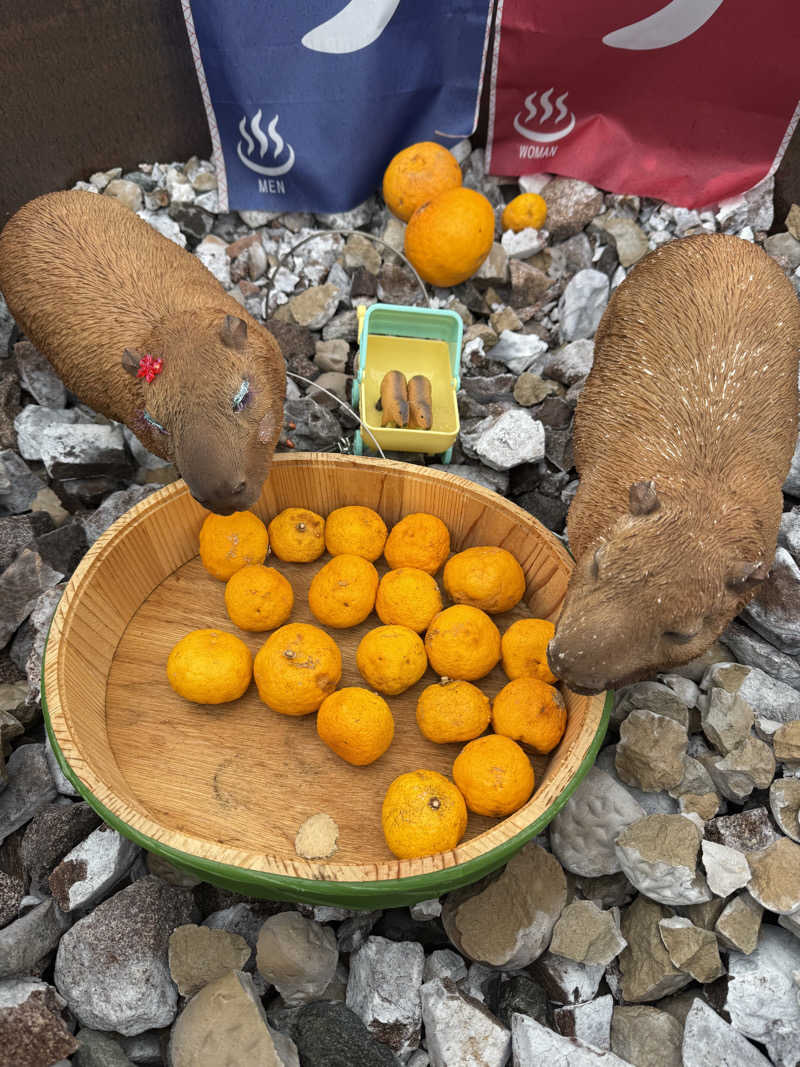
(86,280)
(684,434)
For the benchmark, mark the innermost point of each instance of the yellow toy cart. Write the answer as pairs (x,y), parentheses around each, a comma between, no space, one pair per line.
(412,340)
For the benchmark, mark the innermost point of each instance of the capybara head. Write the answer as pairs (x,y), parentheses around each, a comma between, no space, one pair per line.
(653,593)
(218,393)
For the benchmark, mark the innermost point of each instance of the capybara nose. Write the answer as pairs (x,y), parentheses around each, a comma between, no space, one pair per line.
(239,487)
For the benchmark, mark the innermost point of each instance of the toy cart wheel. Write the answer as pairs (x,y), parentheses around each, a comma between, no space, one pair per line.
(358,444)
(354,395)
(447,457)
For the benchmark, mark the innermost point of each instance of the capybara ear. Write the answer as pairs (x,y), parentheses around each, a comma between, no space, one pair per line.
(131,360)
(233,332)
(643,498)
(743,575)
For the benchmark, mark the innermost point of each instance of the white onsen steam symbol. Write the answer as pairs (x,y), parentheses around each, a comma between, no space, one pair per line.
(544,100)
(356,26)
(673,23)
(261,137)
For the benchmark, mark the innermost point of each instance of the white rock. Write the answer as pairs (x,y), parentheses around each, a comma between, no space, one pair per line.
(520,352)
(533,183)
(659,856)
(589,1022)
(727,869)
(583,833)
(166,226)
(31,421)
(582,305)
(444,963)
(384,990)
(507,440)
(92,868)
(525,243)
(297,956)
(708,1039)
(762,998)
(533,1043)
(565,981)
(212,253)
(426,909)
(63,785)
(765,695)
(459,1031)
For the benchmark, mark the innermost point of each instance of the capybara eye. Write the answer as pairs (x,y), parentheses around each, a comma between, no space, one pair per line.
(242,396)
(679,638)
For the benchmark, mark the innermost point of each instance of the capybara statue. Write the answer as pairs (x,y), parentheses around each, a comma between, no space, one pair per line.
(684,434)
(141,331)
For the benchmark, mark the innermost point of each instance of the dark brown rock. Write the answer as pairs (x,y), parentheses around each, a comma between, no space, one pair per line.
(51,834)
(32,1034)
(12,891)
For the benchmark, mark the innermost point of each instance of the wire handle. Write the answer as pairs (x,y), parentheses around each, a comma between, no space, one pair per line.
(347,407)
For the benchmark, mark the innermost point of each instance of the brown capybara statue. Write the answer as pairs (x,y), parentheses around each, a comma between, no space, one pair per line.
(141,331)
(683,437)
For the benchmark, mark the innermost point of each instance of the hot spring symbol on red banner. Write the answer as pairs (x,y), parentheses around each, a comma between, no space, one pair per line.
(263,142)
(524,126)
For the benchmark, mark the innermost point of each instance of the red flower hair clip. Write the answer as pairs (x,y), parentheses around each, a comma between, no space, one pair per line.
(149,367)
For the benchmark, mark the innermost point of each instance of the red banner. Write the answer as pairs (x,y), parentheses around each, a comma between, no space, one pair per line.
(691,101)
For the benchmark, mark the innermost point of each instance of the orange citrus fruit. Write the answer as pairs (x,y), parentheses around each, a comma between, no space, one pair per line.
(524,211)
(408,597)
(494,775)
(488,578)
(462,642)
(342,593)
(229,542)
(391,659)
(296,668)
(258,598)
(452,711)
(356,724)
(532,711)
(418,174)
(356,531)
(423,813)
(418,540)
(448,238)
(210,667)
(297,535)
(524,648)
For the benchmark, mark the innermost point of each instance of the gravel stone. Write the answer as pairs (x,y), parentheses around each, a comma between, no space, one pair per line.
(97,1049)
(384,991)
(784,803)
(30,788)
(651,751)
(583,833)
(590,1023)
(726,868)
(297,956)
(26,943)
(331,1035)
(582,305)
(459,1030)
(646,1036)
(727,720)
(21,584)
(775,881)
(507,440)
(90,870)
(647,971)
(32,1032)
(659,856)
(520,352)
(114,507)
(571,205)
(709,1039)
(50,835)
(739,924)
(765,695)
(630,240)
(691,948)
(587,934)
(521,994)
(38,377)
(534,1043)
(18,484)
(775,611)
(747,831)
(565,981)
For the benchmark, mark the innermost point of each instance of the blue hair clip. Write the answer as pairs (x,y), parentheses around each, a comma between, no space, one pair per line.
(238,400)
(152,421)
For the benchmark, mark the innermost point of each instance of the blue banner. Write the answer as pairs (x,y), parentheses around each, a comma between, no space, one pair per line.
(308,100)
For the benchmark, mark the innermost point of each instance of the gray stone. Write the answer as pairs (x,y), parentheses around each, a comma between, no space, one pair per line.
(762,997)
(63,785)
(30,788)
(90,870)
(590,1023)
(775,610)
(81,450)
(497,481)
(565,981)
(144,1048)
(38,377)
(384,991)
(582,305)
(444,963)
(630,240)
(199,955)
(114,507)
(502,923)
(111,967)
(533,1043)
(747,831)
(524,243)
(531,389)
(143,458)
(315,306)
(213,254)
(528,284)
(784,803)
(316,428)
(297,956)
(521,994)
(726,868)
(359,251)
(39,623)
(727,720)
(49,837)
(583,833)
(792,484)
(789,533)
(749,766)
(166,226)
(330,1035)
(659,803)
(332,355)
(646,969)
(18,484)
(21,584)
(786,742)
(751,649)
(571,363)
(587,934)
(691,948)
(775,881)
(353,219)
(709,1039)
(784,246)
(571,205)
(26,943)
(659,856)
(520,352)
(225,1025)
(128,193)
(656,697)
(739,923)
(97,1049)
(646,1036)
(651,751)
(687,691)
(459,1030)
(752,208)
(494,269)
(765,695)
(31,421)
(507,441)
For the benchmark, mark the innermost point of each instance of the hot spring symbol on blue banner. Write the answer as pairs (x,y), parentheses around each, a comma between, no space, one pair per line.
(308,102)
